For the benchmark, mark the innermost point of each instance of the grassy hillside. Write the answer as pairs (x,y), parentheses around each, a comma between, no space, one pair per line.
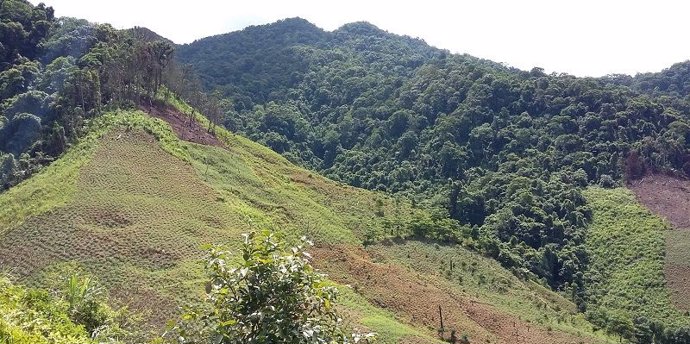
(132,205)
(477,296)
(668,197)
(625,282)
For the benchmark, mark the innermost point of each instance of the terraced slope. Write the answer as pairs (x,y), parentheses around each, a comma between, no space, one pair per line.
(132,204)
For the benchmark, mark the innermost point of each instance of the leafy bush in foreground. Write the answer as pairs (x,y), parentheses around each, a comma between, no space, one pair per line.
(273,296)
(76,315)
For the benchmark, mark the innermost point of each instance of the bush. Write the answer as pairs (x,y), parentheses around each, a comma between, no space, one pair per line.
(273,296)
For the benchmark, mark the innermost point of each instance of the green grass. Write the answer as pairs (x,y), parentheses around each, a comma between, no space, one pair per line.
(133,205)
(55,185)
(484,279)
(33,317)
(626,246)
(678,247)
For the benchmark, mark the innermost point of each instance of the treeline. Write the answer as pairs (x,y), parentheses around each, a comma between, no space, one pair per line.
(501,150)
(57,73)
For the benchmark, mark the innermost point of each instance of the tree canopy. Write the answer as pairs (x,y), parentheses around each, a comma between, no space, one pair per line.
(501,150)
(57,73)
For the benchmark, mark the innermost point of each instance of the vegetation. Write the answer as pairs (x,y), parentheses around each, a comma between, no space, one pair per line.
(626,290)
(478,154)
(77,315)
(273,296)
(485,279)
(57,74)
(143,203)
(505,152)
(138,227)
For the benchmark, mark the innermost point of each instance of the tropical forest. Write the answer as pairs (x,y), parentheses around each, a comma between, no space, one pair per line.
(284,183)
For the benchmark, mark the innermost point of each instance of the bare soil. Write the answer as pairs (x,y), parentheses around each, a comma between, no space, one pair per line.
(184,126)
(678,279)
(666,196)
(415,298)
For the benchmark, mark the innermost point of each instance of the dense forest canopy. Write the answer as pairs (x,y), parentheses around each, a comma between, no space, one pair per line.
(501,150)
(57,73)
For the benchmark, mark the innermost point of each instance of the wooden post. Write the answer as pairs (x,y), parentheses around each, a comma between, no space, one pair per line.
(440,314)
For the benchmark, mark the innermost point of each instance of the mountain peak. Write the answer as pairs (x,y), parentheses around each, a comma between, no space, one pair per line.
(363,28)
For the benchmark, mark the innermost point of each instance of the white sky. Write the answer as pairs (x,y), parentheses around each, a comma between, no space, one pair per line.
(579,37)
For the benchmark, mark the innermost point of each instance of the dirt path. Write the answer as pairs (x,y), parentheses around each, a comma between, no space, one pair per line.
(186,129)
(415,298)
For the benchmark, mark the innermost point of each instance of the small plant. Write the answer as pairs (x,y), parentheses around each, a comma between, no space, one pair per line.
(86,306)
(83,298)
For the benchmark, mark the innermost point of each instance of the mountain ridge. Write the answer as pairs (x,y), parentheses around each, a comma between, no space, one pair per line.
(463,158)
(507,153)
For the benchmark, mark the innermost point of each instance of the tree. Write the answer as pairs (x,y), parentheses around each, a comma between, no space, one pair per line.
(273,296)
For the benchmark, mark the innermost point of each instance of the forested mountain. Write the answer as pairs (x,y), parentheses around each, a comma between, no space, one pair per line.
(673,81)
(58,73)
(470,156)
(503,151)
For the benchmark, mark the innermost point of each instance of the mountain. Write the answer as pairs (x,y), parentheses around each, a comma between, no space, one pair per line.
(496,198)
(507,153)
(131,204)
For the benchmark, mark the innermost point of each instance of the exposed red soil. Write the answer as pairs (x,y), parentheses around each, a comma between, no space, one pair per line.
(669,198)
(678,281)
(415,299)
(665,196)
(184,127)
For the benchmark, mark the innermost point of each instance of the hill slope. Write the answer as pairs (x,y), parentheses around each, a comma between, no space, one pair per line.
(628,291)
(132,203)
(505,152)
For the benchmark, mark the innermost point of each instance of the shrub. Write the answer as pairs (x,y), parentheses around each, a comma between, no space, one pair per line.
(273,296)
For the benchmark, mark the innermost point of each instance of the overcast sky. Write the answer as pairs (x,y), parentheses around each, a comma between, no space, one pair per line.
(582,37)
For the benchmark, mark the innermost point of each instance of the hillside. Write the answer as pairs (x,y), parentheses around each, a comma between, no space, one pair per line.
(633,281)
(669,198)
(507,153)
(132,204)
(433,184)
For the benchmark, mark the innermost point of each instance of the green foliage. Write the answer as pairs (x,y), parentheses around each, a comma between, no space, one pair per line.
(503,151)
(273,296)
(57,74)
(625,286)
(486,279)
(30,316)
(131,177)
(82,298)
(78,314)
(22,27)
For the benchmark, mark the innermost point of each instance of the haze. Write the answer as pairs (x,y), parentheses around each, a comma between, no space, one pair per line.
(583,38)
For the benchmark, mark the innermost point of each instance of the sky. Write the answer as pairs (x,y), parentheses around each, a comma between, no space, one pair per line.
(580,37)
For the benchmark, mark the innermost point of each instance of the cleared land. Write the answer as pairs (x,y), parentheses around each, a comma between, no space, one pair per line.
(669,198)
(477,298)
(626,243)
(134,205)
